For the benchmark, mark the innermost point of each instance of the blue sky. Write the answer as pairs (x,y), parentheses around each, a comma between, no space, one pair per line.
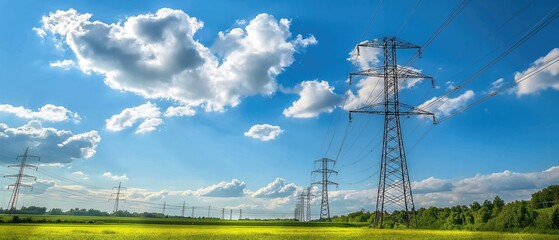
(228,104)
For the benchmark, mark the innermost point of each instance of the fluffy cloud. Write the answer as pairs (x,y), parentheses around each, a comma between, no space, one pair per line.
(115,177)
(433,191)
(52,145)
(367,90)
(496,85)
(148,113)
(314,97)
(179,111)
(80,174)
(431,185)
(156,55)
(263,132)
(65,64)
(48,112)
(276,189)
(138,194)
(365,58)
(547,78)
(446,106)
(507,184)
(235,188)
(41,186)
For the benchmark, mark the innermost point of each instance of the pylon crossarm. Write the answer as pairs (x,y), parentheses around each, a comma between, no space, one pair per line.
(324,159)
(402,72)
(381,43)
(406,72)
(21,175)
(332,183)
(371,72)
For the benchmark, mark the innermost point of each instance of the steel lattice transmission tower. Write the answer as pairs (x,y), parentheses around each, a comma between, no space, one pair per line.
(308,197)
(117,198)
(326,172)
(394,186)
(15,193)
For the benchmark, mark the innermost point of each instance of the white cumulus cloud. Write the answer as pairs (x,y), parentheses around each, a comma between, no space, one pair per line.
(545,79)
(48,112)
(314,97)
(52,145)
(179,111)
(276,189)
(432,191)
(65,64)
(147,113)
(263,132)
(80,174)
(115,177)
(446,106)
(156,55)
(235,188)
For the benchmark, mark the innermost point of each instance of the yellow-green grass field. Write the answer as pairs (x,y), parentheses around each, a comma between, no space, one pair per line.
(206,232)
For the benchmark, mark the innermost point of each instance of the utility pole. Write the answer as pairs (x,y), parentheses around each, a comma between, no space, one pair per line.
(164,205)
(394,186)
(15,193)
(117,199)
(192,216)
(325,171)
(183,205)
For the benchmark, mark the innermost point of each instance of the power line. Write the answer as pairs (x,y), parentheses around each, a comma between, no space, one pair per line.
(545,21)
(527,76)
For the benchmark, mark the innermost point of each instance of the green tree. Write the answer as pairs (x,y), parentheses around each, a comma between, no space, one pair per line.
(547,197)
(498,204)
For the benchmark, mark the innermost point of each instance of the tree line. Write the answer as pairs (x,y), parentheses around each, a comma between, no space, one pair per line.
(540,213)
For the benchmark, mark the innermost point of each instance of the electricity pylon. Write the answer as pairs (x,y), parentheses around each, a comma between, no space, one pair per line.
(15,193)
(308,197)
(325,171)
(394,186)
(183,206)
(117,199)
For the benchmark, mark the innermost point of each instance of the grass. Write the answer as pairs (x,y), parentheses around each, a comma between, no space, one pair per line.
(127,228)
(207,232)
(174,221)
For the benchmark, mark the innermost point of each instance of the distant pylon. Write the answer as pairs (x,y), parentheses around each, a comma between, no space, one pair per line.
(325,171)
(301,199)
(117,198)
(15,193)
(308,203)
(240,214)
(394,182)
(183,206)
(164,205)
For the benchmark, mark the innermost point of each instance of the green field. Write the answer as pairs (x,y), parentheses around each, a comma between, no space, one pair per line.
(161,231)
(75,227)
